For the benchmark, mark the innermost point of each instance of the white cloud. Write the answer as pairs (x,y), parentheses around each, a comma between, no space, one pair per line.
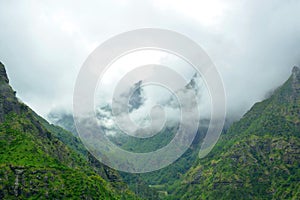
(207,13)
(43,44)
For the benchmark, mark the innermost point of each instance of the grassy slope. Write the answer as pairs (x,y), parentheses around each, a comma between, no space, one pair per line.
(36,164)
(258,158)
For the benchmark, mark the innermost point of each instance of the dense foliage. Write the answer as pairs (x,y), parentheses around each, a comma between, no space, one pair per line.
(38,160)
(258,158)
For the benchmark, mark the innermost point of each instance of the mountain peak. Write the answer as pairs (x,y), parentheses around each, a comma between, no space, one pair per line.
(296,73)
(296,69)
(8,101)
(296,79)
(3,75)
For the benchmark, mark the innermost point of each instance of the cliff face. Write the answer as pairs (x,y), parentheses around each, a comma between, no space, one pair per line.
(3,75)
(8,101)
(296,80)
(39,160)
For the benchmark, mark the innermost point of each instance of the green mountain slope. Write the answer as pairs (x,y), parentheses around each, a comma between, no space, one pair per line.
(39,160)
(160,180)
(155,184)
(259,156)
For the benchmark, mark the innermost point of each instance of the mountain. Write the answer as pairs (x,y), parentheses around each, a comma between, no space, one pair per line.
(146,184)
(257,158)
(64,120)
(43,161)
(159,180)
(136,100)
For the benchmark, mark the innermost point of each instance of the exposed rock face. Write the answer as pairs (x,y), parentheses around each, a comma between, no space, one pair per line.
(18,172)
(3,74)
(296,79)
(8,101)
(296,71)
(137,99)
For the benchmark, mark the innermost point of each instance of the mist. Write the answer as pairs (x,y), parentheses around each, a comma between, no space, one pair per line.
(254,44)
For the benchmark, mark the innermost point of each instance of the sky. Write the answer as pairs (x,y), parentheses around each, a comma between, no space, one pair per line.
(254,44)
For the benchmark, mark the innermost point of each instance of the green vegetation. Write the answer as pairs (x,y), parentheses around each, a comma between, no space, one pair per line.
(258,158)
(161,179)
(41,161)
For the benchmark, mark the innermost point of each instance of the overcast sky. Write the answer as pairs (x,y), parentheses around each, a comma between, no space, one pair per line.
(254,44)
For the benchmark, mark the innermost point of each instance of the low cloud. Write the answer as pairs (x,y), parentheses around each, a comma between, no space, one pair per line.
(254,44)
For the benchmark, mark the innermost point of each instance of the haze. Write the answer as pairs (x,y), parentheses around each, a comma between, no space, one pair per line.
(254,44)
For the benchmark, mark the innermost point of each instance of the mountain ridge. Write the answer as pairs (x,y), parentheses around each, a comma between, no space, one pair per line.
(36,163)
(257,158)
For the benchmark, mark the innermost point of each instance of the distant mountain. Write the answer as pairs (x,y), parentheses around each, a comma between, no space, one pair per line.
(64,120)
(137,99)
(158,180)
(257,158)
(43,161)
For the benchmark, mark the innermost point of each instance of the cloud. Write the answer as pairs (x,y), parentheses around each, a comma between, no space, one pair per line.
(160,108)
(254,44)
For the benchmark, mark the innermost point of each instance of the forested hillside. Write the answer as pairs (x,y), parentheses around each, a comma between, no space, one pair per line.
(258,158)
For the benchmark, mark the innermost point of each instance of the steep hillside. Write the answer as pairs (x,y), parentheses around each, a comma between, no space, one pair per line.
(259,156)
(36,162)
